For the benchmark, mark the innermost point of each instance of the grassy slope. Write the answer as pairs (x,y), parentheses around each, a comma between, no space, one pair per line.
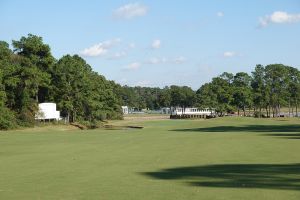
(179,159)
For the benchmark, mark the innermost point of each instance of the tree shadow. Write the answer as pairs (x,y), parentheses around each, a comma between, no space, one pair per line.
(288,131)
(248,128)
(266,176)
(285,135)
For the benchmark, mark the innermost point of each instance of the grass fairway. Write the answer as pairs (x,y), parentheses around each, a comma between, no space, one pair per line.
(223,158)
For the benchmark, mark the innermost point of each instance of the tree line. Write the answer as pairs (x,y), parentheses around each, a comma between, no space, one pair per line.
(265,91)
(29,74)
(156,98)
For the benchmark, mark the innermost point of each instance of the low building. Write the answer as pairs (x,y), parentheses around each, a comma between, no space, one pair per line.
(192,111)
(47,111)
(125,110)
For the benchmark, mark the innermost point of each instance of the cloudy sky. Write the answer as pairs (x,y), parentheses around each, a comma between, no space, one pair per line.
(158,43)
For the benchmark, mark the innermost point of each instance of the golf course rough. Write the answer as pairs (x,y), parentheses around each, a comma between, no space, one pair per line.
(223,158)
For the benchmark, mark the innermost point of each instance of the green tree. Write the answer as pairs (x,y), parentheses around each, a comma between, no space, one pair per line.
(222,87)
(70,78)
(164,98)
(82,94)
(2,90)
(39,61)
(182,97)
(293,88)
(206,97)
(242,91)
(260,95)
(276,85)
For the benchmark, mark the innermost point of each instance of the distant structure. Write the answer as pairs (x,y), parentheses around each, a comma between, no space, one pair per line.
(178,113)
(47,111)
(125,110)
(165,110)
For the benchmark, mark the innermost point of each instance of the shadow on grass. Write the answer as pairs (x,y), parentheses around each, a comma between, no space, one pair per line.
(266,176)
(285,135)
(288,131)
(248,128)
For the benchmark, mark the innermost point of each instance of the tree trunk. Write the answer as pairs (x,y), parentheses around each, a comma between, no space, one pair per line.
(289,107)
(260,112)
(68,117)
(296,108)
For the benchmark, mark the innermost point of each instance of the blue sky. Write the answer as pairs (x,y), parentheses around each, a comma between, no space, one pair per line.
(158,43)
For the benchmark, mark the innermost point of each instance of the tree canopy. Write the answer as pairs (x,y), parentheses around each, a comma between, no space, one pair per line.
(30,75)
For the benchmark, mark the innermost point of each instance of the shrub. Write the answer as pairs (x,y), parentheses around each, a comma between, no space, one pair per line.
(26,118)
(114,115)
(256,114)
(7,119)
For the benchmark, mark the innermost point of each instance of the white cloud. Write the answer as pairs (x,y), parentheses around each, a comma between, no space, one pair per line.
(132,66)
(111,43)
(279,17)
(156,44)
(220,14)
(131,45)
(156,60)
(117,55)
(96,50)
(180,60)
(101,48)
(229,54)
(130,11)
(164,60)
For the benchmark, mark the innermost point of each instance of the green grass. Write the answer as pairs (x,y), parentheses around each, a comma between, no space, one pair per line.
(223,158)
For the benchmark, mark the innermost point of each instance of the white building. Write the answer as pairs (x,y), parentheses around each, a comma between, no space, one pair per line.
(125,110)
(192,111)
(47,111)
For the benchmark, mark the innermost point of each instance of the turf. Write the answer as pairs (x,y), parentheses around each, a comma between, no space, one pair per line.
(223,158)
